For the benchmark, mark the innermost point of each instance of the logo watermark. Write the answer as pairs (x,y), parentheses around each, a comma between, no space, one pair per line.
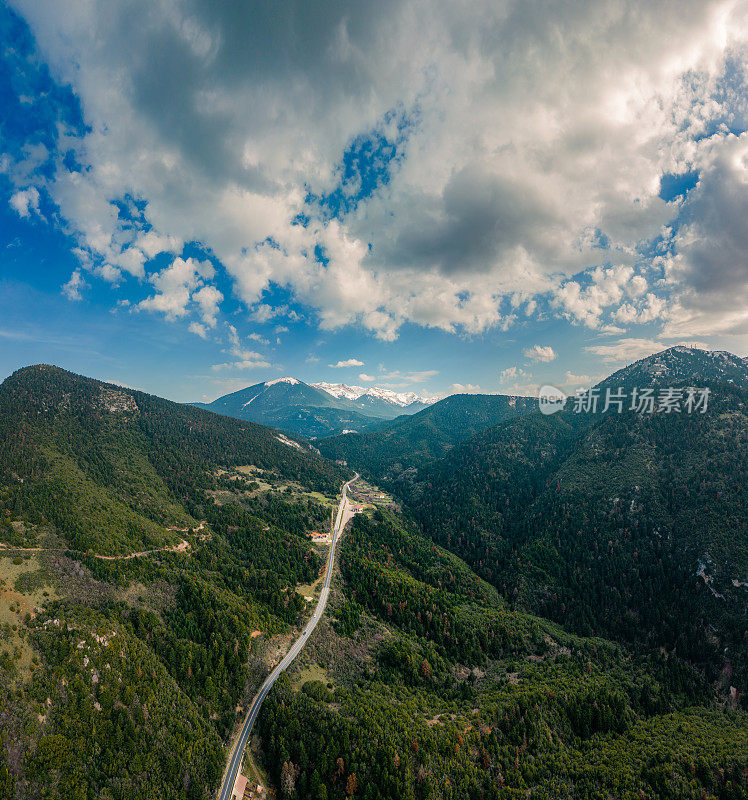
(641,401)
(551,399)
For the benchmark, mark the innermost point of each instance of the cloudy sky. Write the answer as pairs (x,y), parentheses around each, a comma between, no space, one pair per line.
(196,196)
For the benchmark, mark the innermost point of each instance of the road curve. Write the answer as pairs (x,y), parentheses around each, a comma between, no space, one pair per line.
(238,751)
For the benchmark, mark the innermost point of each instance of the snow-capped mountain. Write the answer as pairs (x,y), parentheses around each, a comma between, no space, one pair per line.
(291,381)
(315,410)
(402,399)
(375,401)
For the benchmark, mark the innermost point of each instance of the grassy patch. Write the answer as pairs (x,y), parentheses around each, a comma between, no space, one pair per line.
(311,672)
(24,587)
(308,589)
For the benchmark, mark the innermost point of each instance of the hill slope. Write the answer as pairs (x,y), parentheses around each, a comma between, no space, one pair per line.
(434,688)
(626,525)
(109,466)
(394,449)
(123,670)
(120,677)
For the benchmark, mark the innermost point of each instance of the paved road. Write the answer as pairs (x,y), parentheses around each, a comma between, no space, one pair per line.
(254,709)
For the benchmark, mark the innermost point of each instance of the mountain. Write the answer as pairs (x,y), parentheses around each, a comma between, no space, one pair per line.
(148,550)
(312,410)
(291,405)
(400,399)
(425,683)
(394,449)
(627,525)
(373,401)
(110,466)
(681,365)
(125,669)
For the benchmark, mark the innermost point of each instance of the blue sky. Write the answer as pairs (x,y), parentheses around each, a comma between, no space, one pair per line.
(210,197)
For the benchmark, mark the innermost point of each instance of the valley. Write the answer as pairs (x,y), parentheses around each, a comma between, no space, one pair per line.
(523,604)
(373,400)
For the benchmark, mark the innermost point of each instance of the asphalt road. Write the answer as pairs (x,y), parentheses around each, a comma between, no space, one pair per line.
(238,751)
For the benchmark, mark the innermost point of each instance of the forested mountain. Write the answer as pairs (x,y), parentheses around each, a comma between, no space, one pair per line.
(435,688)
(311,410)
(392,451)
(122,677)
(148,552)
(628,525)
(110,467)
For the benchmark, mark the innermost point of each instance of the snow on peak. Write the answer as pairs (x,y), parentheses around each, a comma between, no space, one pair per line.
(339,390)
(292,381)
(402,399)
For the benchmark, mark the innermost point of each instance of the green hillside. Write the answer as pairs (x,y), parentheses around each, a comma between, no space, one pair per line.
(531,624)
(126,648)
(111,467)
(391,451)
(602,521)
(436,688)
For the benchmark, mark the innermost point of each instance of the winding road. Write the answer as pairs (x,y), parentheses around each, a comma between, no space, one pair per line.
(237,753)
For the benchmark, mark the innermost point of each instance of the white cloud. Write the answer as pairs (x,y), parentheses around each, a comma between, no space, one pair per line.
(522,389)
(395,379)
(108,273)
(607,287)
(650,308)
(534,152)
(177,285)
(243,358)
(350,362)
(25,202)
(626,350)
(512,374)
(72,289)
(263,313)
(199,329)
(151,243)
(517,381)
(707,273)
(208,299)
(463,388)
(540,353)
(256,361)
(362,376)
(574,382)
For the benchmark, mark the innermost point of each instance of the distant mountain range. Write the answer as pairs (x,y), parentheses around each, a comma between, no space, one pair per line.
(386,396)
(315,410)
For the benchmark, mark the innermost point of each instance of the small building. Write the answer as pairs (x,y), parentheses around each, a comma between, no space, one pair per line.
(240,786)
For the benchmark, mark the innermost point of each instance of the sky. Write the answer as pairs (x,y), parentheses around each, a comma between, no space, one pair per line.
(433,197)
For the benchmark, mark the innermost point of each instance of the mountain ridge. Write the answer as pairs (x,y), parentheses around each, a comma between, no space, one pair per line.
(626,525)
(393,449)
(75,448)
(350,392)
(309,410)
